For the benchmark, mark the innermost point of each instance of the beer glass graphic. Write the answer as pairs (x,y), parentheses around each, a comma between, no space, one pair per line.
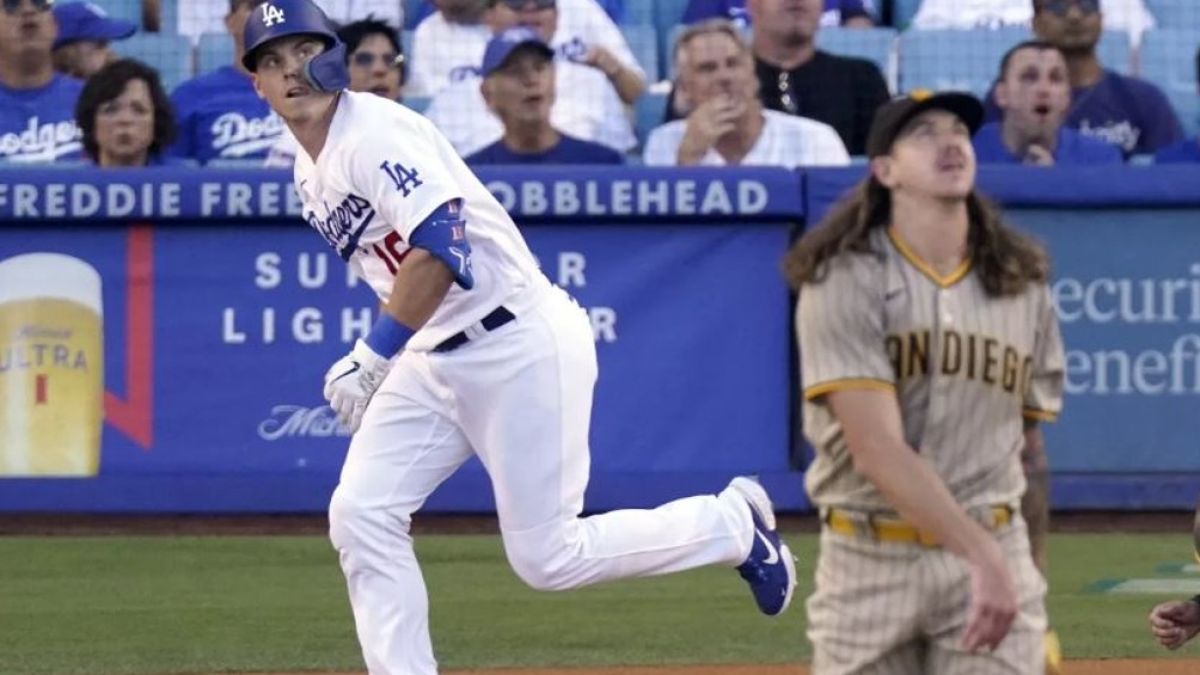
(51,366)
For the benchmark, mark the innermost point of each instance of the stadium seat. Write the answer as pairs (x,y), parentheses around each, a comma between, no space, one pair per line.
(1175,14)
(643,42)
(406,43)
(1169,60)
(638,13)
(964,60)
(876,44)
(170,54)
(666,49)
(903,12)
(1116,51)
(648,113)
(168,16)
(214,50)
(668,13)
(417,103)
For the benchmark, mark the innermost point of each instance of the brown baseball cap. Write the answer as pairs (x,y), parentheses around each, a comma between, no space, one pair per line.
(891,117)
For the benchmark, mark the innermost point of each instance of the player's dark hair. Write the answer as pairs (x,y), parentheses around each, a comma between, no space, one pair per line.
(355,32)
(1006,260)
(107,84)
(1040,45)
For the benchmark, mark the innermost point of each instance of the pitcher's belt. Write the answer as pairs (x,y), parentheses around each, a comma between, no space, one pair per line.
(897,530)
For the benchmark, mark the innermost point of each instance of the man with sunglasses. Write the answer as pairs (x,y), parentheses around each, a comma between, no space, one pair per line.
(220,117)
(1129,113)
(593,83)
(37,105)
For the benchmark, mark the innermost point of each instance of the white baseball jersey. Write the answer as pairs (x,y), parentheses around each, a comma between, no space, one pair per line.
(786,140)
(1126,15)
(964,366)
(445,53)
(208,16)
(586,106)
(383,170)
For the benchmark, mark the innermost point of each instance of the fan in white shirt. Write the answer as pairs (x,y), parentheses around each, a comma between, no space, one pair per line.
(197,17)
(594,84)
(448,44)
(728,125)
(1123,15)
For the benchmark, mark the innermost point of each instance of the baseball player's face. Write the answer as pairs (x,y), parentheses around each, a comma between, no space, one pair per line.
(787,18)
(931,157)
(1070,25)
(522,92)
(373,68)
(28,29)
(716,66)
(279,78)
(1035,92)
(125,125)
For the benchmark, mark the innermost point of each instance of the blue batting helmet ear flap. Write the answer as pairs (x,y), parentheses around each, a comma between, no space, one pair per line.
(275,19)
(327,70)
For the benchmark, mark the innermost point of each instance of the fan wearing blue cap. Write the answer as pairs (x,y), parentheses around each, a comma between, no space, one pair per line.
(519,88)
(84,33)
(37,122)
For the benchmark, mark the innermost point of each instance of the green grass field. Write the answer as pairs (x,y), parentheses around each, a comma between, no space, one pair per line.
(202,604)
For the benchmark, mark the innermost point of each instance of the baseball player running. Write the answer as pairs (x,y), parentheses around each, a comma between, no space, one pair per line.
(474,352)
(927,336)
(1174,623)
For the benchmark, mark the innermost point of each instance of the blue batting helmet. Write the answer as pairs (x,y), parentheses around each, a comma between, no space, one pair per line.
(279,18)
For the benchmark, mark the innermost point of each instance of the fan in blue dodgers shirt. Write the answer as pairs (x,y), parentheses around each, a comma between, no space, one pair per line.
(1187,150)
(1127,112)
(1033,91)
(219,114)
(518,86)
(36,104)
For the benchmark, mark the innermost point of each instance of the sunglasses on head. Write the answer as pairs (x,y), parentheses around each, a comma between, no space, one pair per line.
(517,5)
(368,59)
(1061,7)
(14,6)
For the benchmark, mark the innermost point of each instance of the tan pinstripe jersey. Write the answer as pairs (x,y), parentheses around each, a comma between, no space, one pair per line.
(965,369)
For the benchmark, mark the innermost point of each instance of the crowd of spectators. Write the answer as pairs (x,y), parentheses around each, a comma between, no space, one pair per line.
(557,81)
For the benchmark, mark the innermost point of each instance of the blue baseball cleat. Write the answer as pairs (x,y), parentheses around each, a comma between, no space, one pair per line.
(770,568)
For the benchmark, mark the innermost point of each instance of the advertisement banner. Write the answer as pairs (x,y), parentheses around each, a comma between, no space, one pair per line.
(178,365)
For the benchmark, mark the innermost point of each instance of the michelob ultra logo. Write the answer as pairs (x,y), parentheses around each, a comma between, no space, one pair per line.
(51,366)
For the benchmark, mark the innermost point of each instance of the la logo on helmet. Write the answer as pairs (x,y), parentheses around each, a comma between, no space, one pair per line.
(272,15)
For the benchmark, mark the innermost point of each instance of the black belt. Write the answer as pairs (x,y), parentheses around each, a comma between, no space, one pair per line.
(498,317)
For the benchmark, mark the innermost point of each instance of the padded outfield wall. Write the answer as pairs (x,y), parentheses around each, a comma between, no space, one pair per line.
(219,310)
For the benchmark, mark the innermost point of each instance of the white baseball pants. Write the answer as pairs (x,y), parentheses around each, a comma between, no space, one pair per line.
(520,398)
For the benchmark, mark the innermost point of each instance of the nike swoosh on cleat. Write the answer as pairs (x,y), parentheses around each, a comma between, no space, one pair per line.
(773,553)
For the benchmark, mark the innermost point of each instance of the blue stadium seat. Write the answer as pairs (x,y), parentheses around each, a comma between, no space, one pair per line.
(666,50)
(406,43)
(1116,51)
(1175,14)
(129,10)
(965,60)
(875,44)
(639,12)
(417,103)
(213,51)
(170,54)
(1169,60)
(903,12)
(667,13)
(648,113)
(168,15)
(643,42)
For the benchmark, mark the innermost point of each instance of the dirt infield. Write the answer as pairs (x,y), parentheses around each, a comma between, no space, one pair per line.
(1102,667)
